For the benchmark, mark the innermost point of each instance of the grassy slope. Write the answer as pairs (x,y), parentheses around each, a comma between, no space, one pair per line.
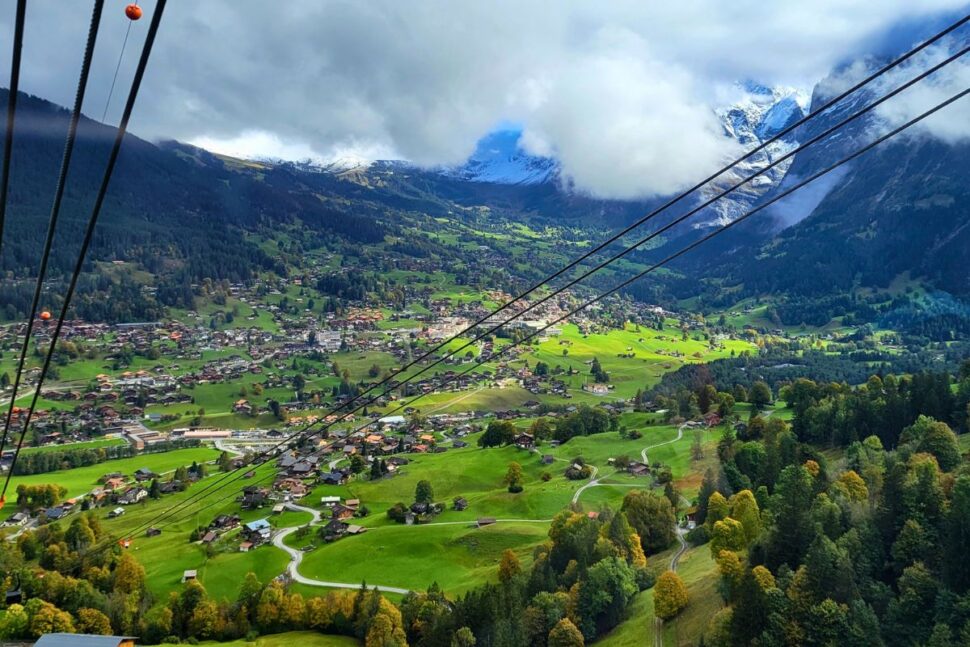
(699,573)
(473,473)
(83,479)
(651,356)
(291,639)
(166,556)
(458,557)
(465,559)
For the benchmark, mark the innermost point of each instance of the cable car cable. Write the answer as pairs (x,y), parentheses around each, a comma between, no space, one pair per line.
(114,78)
(13,90)
(55,211)
(92,222)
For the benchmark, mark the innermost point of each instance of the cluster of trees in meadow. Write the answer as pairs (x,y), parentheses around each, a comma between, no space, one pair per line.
(780,365)
(865,549)
(51,460)
(42,495)
(585,421)
(352,285)
(837,414)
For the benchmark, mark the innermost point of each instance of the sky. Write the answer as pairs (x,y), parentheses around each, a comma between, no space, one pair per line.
(620,92)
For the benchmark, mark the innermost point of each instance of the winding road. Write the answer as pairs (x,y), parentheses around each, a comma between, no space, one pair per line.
(680,434)
(296,555)
(594,481)
(658,623)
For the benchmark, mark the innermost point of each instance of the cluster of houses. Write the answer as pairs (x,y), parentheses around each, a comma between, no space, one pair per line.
(342,512)
(114,489)
(251,534)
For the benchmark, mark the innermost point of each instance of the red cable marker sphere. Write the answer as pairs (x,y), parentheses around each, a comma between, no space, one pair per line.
(133,12)
(45,315)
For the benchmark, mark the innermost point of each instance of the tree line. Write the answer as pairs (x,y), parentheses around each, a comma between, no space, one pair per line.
(42,462)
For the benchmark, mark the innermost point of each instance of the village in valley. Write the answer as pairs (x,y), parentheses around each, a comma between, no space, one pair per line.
(138,413)
(282,428)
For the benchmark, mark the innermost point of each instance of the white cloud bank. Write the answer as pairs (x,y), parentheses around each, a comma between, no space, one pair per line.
(619,91)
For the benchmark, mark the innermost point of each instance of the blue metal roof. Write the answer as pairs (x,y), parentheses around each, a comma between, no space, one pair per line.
(259,524)
(80,640)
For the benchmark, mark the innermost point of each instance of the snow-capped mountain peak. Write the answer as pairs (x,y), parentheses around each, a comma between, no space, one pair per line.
(500,159)
(759,114)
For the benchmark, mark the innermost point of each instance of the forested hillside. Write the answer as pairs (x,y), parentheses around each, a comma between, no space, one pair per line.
(848,526)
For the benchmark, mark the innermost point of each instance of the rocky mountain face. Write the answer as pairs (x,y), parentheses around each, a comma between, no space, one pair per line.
(903,209)
(760,114)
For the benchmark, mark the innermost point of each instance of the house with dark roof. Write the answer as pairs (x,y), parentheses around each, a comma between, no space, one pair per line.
(342,512)
(254,496)
(334,529)
(333,478)
(144,474)
(638,469)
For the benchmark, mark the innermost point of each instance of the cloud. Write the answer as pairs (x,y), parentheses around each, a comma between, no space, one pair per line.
(799,205)
(255,143)
(952,123)
(616,89)
(623,124)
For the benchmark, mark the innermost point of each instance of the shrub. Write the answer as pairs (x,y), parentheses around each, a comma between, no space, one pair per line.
(698,536)
(644,578)
(397,512)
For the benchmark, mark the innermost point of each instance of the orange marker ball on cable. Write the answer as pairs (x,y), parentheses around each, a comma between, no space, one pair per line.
(133,12)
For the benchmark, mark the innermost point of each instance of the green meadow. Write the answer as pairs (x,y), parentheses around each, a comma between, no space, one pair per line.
(291,639)
(90,444)
(458,557)
(82,480)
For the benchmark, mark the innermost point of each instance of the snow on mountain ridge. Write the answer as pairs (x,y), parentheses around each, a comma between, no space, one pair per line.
(758,115)
(498,159)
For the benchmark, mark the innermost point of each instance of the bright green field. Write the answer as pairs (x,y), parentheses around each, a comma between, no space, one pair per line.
(91,444)
(292,639)
(166,556)
(652,357)
(457,557)
(83,479)
(473,473)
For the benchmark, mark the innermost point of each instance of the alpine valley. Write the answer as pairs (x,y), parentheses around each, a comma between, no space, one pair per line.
(298,402)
